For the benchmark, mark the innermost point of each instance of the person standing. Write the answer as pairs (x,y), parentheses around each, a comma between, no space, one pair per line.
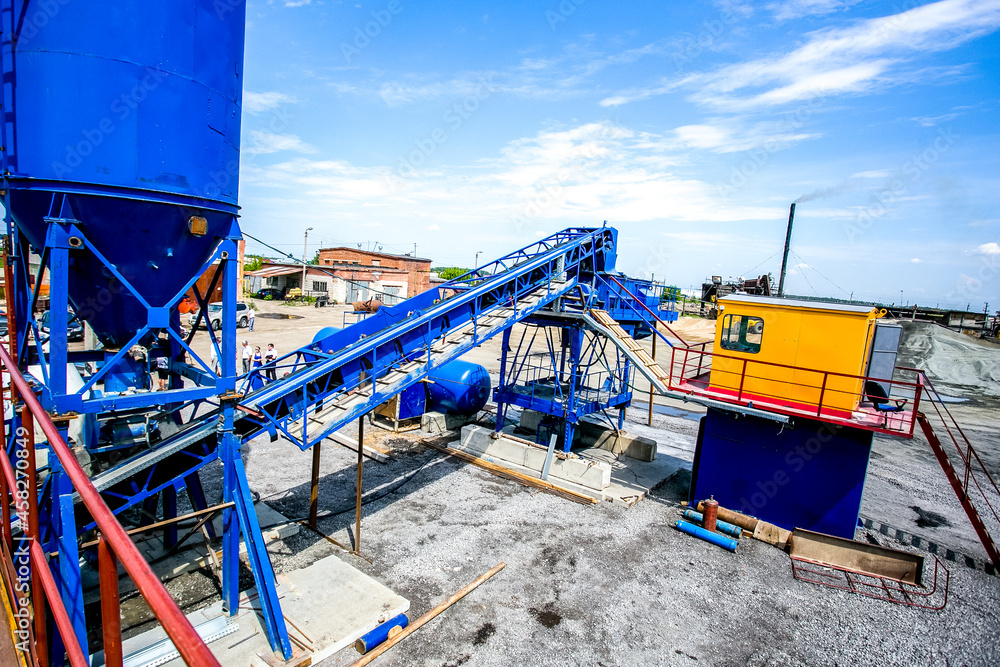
(250,317)
(246,355)
(163,371)
(214,359)
(271,356)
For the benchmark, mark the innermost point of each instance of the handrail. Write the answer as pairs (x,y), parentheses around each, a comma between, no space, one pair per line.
(185,638)
(901,423)
(655,317)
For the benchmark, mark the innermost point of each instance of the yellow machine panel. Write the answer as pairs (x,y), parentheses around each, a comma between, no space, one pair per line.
(792,352)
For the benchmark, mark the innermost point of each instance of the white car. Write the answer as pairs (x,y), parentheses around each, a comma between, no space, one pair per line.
(215,315)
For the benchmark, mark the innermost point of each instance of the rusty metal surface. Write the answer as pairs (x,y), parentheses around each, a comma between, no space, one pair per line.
(858,557)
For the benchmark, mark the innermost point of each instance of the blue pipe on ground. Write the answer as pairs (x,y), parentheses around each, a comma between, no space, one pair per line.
(369,641)
(720,526)
(727,543)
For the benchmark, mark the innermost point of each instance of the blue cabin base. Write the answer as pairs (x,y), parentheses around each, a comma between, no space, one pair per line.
(805,475)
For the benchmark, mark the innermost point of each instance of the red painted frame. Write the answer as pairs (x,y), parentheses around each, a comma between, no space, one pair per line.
(115,545)
(892,423)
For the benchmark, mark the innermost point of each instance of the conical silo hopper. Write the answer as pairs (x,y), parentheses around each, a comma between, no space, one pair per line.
(132,111)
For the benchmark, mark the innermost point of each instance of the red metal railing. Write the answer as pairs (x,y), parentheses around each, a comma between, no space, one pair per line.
(971,480)
(787,389)
(18,489)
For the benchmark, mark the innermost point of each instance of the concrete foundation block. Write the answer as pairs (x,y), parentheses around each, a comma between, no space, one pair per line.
(589,434)
(439,422)
(583,472)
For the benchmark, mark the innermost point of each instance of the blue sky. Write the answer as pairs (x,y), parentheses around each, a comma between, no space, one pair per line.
(691,127)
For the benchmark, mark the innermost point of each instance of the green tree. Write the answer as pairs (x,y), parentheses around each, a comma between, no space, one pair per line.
(450,272)
(252,262)
(315,260)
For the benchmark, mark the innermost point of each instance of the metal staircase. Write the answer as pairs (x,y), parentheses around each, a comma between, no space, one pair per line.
(972,482)
(603,323)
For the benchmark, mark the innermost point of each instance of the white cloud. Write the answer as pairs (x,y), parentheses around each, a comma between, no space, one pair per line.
(988,249)
(876,173)
(254,102)
(916,260)
(793,9)
(870,54)
(262,143)
(297,3)
(434,228)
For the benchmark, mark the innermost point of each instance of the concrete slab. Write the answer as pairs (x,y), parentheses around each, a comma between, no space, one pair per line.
(594,471)
(328,605)
(586,473)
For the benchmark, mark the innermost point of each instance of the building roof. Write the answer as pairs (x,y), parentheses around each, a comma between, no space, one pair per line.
(276,269)
(796,303)
(371,253)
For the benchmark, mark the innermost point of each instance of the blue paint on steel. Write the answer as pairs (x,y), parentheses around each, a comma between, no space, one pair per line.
(809,476)
(134,112)
(720,526)
(372,639)
(726,543)
(324,333)
(413,401)
(461,388)
(396,336)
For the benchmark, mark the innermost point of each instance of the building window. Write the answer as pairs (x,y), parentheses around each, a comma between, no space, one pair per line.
(742,333)
(376,262)
(319,286)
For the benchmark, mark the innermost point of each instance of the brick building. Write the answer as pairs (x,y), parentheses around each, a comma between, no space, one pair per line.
(347,274)
(400,276)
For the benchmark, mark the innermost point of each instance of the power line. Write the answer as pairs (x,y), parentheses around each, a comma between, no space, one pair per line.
(315,267)
(821,274)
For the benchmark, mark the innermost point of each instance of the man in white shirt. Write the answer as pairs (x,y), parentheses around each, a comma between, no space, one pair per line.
(270,356)
(250,317)
(246,355)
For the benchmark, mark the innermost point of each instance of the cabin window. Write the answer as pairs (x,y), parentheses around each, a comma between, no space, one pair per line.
(742,333)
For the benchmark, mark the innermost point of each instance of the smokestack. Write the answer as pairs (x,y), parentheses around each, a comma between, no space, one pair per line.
(784,258)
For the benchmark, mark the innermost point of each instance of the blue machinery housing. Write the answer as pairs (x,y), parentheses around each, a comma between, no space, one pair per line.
(120,164)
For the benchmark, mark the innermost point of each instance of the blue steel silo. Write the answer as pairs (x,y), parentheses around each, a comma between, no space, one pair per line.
(120,156)
(131,110)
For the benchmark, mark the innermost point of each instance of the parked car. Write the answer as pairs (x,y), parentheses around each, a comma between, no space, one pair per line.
(3,324)
(74,330)
(269,293)
(215,315)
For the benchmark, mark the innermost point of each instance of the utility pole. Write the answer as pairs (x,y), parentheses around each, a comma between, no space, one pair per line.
(305,261)
(784,258)
(476,266)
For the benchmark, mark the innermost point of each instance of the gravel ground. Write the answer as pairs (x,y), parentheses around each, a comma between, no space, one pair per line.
(604,585)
